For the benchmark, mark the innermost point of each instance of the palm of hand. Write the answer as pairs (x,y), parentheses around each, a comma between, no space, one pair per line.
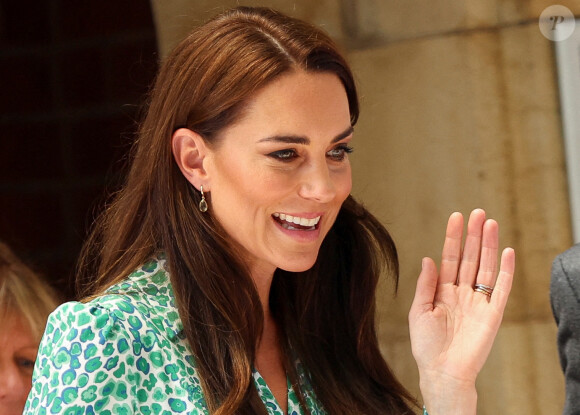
(452,326)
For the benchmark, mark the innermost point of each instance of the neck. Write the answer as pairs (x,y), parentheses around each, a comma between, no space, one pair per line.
(269,357)
(263,277)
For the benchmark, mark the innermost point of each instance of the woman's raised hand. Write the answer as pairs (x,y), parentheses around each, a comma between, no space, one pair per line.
(457,311)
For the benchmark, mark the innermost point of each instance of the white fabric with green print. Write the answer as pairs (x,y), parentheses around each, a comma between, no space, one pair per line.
(125,353)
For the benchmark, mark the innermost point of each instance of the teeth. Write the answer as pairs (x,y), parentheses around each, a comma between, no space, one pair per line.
(289,220)
(285,225)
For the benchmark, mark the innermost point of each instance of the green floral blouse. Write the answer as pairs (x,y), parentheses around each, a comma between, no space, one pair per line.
(125,353)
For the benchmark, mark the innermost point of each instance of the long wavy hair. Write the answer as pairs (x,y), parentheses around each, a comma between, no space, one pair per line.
(326,314)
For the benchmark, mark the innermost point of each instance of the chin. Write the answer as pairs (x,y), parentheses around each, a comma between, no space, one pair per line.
(298,266)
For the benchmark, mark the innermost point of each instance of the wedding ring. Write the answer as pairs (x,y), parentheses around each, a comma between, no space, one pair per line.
(484,289)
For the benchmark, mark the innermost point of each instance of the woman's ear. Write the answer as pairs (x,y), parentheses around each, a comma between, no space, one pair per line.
(189,150)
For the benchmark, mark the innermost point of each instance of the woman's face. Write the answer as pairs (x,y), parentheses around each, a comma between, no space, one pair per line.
(18,350)
(279,175)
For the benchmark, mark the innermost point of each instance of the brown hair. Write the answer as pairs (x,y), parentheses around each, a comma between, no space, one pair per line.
(24,293)
(326,313)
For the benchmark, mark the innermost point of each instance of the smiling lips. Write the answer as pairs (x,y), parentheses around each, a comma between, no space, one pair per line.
(296,223)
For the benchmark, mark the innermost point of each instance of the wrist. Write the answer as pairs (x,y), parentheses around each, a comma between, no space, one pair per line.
(444,395)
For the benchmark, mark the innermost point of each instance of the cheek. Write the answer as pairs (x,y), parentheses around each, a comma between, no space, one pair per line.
(344,185)
(242,190)
(25,381)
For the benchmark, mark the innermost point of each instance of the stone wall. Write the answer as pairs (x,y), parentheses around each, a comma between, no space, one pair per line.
(459,110)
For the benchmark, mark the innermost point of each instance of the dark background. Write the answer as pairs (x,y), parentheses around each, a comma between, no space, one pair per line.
(73,75)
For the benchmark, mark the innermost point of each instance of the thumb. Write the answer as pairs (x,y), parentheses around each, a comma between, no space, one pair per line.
(426,286)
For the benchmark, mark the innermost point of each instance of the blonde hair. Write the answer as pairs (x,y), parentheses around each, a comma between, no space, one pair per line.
(24,293)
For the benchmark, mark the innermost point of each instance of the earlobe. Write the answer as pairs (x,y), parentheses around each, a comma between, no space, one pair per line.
(189,150)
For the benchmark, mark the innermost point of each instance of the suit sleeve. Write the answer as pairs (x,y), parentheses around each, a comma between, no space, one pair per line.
(564,286)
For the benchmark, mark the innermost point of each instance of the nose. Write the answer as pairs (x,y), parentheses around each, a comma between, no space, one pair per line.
(317,183)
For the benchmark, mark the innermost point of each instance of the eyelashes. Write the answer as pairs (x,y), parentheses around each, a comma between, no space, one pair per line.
(338,153)
(284,155)
(25,365)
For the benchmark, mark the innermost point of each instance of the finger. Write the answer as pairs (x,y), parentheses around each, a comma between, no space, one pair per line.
(451,254)
(488,262)
(472,249)
(504,281)
(426,285)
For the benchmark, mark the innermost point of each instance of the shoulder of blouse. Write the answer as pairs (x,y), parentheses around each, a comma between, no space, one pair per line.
(116,351)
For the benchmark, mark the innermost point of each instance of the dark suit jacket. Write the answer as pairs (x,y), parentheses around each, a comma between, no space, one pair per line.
(565,298)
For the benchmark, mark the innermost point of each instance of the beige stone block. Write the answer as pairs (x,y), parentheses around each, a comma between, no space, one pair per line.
(174,19)
(395,20)
(391,20)
(539,178)
(511,11)
(550,387)
(522,374)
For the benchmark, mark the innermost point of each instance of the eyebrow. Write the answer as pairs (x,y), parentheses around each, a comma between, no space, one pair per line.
(296,139)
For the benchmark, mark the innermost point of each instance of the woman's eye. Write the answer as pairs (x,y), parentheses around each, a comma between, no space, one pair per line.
(340,152)
(25,364)
(284,155)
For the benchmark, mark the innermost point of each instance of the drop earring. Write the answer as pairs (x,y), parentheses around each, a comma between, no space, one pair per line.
(202,202)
